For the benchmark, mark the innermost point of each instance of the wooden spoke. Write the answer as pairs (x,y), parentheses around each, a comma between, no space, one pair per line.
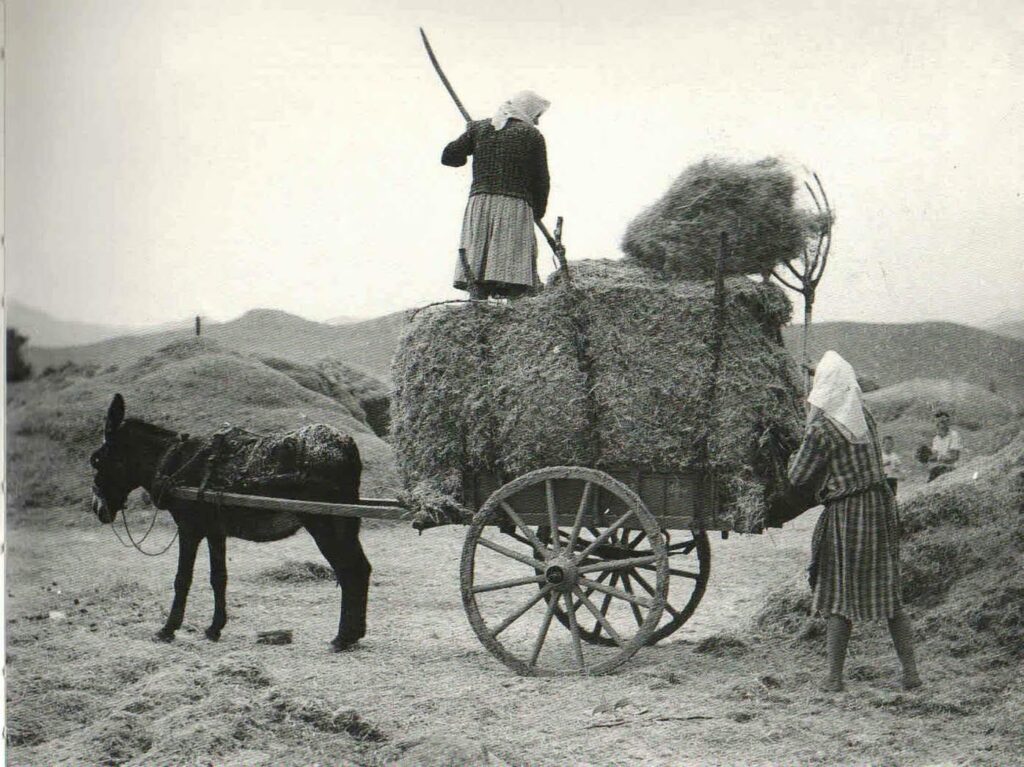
(508,584)
(600,579)
(545,624)
(607,597)
(574,629)
(605,624)
(642,601)
(684,548)
(616,564)
(516,536)
(635,541)
(578,522)
(580,543)
(683,573)
(511,554)
(549,492)
(588,592)
(674,571)
(521,610)
(534,540)
(604,536)
(643,583)
(637,616)
(647,587)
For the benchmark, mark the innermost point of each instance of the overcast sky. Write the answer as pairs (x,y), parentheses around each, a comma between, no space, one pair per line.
(170,157)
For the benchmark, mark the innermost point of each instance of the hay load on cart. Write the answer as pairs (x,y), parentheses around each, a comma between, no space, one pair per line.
(625,371)
(590,436)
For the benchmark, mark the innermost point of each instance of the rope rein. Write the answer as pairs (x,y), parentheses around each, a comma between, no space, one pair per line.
(161,488)
(138,544)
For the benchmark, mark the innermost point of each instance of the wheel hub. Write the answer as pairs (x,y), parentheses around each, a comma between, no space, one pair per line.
(561,574)
(555,574)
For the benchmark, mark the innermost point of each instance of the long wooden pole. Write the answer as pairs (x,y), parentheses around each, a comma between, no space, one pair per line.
(367,507)
(444,80)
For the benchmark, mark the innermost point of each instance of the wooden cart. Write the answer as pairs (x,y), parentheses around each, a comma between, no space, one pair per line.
(618,557)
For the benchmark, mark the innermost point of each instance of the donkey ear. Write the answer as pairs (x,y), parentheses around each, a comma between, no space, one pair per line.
(115,415)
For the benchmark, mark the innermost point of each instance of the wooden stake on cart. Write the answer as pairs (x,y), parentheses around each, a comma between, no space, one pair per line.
(555,242)
(717,346)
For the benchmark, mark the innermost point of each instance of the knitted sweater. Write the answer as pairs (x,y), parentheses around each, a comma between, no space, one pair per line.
(511,162)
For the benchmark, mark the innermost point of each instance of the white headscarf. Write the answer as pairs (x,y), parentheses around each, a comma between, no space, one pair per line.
(525,105)
(837,393)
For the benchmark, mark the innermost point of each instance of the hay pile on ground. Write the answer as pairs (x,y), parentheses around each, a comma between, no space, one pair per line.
(615,371)
(297,571)
(138,707)
(365,397)
(680,233)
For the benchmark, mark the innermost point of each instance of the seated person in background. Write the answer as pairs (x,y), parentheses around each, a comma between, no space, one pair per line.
(891,463)
(946,446)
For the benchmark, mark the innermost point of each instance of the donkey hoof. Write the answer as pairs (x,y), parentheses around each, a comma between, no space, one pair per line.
(212,634)
(163,635)
(344,644)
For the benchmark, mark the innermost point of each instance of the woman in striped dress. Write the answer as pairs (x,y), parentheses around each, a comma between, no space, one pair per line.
(855,549)
(509,192)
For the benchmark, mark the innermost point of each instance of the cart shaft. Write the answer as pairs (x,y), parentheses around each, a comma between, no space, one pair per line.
(373,508)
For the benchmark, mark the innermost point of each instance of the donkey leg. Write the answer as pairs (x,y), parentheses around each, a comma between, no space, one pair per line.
(329,538)
(355,584)
(188,544)
(219,581)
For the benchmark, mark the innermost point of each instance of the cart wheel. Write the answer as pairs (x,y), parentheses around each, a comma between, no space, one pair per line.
(689,569)
(504,562)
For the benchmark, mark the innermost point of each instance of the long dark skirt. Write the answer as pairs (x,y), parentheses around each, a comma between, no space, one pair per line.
(500,245)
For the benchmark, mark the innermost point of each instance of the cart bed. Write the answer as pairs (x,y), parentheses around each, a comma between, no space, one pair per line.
(680,501)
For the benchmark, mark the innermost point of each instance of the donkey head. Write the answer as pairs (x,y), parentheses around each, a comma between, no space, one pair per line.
(114,479)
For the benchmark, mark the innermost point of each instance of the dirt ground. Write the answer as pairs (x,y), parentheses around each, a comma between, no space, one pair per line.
(87,685)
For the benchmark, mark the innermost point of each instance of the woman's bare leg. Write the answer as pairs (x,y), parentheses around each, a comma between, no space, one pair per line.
(903,639)
(837,638)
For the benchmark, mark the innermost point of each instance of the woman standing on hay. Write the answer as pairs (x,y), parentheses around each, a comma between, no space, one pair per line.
(509,192)
(855,568)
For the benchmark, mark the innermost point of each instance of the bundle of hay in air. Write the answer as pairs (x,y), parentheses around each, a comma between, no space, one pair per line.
(614,370)
(752,202)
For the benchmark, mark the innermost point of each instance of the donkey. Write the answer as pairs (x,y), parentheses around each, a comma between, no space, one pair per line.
(139,454)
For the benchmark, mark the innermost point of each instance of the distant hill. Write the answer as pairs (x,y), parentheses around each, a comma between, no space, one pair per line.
(44,329)
(343,319)
(367,345)
(1011,329)
(889,354)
